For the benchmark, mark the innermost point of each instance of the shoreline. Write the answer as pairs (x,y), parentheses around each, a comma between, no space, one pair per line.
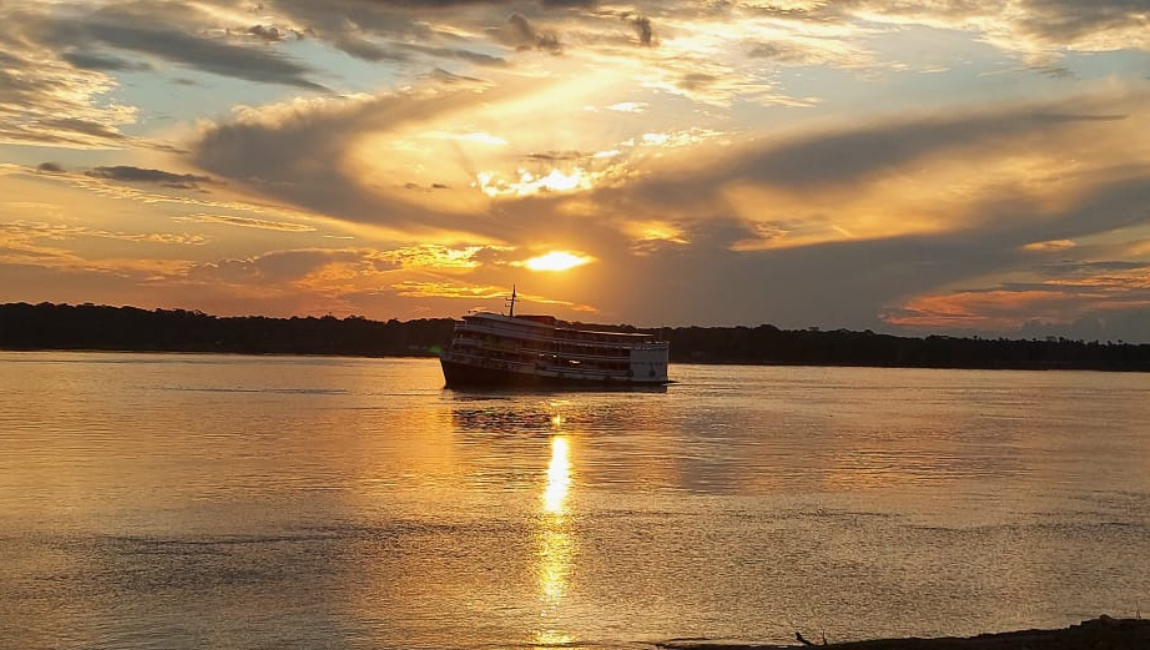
(25,327)
(1102,633)
(422,355)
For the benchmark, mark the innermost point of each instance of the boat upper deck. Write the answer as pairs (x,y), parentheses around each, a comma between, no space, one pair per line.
(549,329)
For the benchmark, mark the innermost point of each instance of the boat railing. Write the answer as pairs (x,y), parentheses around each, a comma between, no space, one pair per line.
(618,355)
(532,367)
(525,335)
(461,344)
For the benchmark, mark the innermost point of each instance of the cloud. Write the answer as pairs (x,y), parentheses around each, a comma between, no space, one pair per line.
(273,268)
(395,31)
(1038,30)
(98,61)
(129,174)
(28,233)
(880,150)
(855,154)
(448,78)
(898,210)
(416,187)
(456,291)
(1081,294)
(271,33)
(644,30)
(879,213)
(303,152)
(518,32)
(335,270)
(476,58)
(148,29)
(794,217)
(1059,293)
(802,50)
(247,222)
(45,100)
(555,156)
(1049,245)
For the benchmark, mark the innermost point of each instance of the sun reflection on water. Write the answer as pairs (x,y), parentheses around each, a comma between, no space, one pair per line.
(556,544)
(558,479)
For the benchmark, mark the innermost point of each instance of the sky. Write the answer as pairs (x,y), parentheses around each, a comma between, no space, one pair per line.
(937,167)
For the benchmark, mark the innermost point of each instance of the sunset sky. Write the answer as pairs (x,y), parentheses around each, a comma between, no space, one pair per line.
(910,167)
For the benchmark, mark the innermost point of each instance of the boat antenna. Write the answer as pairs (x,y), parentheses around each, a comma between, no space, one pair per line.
(511,303)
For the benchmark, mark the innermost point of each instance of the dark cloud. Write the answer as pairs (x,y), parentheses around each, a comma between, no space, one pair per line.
(50,168)
(520,33)
(697,81)
(555,156)
(477,58)
(1127,325)
(271,33)
(1038,27)
(394,32)
(800,53)
(853,155)
(777,50)
(361,48)
(452,4)
(1033,27)
(449,78)
(128,174)
(87,127)
(1068,269)
(349,26)
(1064,21)
(291,265)
(425,188)
(150,29)
(644,30)
(98,61)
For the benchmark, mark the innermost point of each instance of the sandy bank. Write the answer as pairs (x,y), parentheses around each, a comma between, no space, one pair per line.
(1103,633)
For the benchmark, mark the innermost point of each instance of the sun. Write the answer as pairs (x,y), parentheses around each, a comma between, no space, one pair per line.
(557,261)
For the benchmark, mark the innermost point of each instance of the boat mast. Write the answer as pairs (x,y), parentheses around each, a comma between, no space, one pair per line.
(511,303)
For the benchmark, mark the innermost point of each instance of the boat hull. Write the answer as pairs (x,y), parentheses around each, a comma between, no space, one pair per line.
(463,375)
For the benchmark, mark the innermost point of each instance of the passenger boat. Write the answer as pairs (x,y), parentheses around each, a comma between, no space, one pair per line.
(527,351)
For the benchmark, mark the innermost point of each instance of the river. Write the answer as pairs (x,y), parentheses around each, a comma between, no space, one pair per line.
(210,501)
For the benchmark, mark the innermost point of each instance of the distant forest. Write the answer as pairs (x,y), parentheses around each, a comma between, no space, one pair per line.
(93,327)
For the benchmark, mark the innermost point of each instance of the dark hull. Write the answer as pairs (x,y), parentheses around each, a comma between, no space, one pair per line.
(459,375)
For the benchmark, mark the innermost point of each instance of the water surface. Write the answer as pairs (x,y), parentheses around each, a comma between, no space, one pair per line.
(191,501)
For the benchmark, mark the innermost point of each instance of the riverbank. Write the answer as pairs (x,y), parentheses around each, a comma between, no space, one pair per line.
(94,327)
(1102,633)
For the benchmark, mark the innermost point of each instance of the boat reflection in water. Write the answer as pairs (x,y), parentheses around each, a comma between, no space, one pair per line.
(555,542)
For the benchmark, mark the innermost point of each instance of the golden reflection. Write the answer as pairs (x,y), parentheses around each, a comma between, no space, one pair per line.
(550,638)
(558,475)
(556,543)
(555,548)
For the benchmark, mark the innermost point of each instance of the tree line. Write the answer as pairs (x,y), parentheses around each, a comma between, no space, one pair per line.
(96,327)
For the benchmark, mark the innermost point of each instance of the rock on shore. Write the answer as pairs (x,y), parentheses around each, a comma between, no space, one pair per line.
(1102,633)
